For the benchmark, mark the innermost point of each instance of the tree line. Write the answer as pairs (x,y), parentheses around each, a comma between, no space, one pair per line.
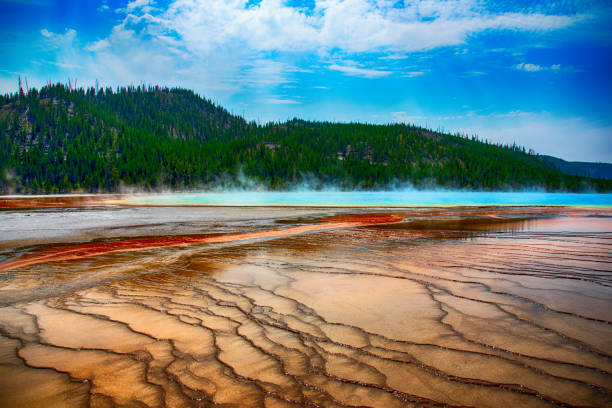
(62,139)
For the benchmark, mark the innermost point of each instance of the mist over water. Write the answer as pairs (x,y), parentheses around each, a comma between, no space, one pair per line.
(400,198)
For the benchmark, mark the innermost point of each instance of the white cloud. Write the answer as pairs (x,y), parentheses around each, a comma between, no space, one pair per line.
(280,101)
(98,45)
(536,68)
(393,57)
(59,40)
(62,52)
(360,72)
(349,25)
(60,64)
(404,117)
(264,73)
(223,46)
(529,67)
(413,74)
(145,5)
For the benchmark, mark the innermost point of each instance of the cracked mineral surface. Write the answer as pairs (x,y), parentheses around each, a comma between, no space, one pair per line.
(315,307)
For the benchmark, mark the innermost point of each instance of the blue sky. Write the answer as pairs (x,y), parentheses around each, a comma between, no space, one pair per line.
(538,73)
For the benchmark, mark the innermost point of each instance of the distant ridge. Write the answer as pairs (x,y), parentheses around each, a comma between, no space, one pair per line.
(61,139)
(578,168)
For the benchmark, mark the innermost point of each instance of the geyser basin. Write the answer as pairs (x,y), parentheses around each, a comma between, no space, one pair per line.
(372,199)
(256,306)
(165,306)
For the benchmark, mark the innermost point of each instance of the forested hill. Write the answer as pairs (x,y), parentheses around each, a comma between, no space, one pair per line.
(59,139)
(586,169)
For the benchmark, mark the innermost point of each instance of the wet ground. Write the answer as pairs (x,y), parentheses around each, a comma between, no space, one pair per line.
(281,307)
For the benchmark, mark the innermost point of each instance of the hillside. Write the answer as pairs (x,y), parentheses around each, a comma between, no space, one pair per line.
(584,169)
(58,139)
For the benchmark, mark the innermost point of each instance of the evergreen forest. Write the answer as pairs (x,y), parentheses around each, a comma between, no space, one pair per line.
(61,139)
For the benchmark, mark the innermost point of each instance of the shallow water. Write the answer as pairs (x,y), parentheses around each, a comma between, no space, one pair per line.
(374,198)
(487,307)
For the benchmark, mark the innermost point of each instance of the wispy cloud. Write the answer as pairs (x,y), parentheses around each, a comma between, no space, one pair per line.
(145,6)
(413,74)
(529,67)
(537,68)
(393,57)
(226,46)
(58,64)
(360,72)
(280,101)
(265,73)
(349,25)
(404,117)
(59,40)
(98,45)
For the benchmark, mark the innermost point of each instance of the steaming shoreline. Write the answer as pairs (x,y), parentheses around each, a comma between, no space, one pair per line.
(369,200)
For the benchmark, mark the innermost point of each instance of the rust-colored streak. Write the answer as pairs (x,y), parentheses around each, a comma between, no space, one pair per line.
(59,201)
(78,251)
